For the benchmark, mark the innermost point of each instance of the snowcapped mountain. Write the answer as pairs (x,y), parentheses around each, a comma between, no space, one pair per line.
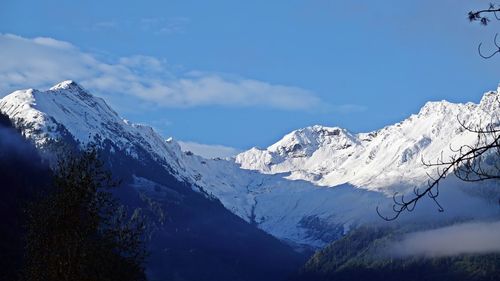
(375,160)
(187,228)
(308,189)
(67,111)
(317,182)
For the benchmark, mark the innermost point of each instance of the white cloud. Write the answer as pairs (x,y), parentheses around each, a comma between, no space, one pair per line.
(466,238)
(49,42)
(209,151)
(42,62)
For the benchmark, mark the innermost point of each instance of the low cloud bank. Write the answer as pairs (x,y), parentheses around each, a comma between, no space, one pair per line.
(466,238)
(207,150)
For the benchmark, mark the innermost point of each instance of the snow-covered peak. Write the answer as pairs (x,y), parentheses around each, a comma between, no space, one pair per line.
(304,142)
(439,107)
(491,102)
(67,110)
(389,156)
(84,116)
(296,149)
(65,85)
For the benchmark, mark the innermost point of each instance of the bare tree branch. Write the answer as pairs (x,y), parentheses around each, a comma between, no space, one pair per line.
(481,16)
(469,163)
(494,53)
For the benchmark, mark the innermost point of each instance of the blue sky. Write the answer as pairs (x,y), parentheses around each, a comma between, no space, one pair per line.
(244,73)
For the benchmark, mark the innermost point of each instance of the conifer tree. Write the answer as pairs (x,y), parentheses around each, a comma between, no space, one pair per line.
(79,232)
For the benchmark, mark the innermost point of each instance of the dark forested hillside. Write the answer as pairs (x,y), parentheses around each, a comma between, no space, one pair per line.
(191,236)
(22,174)
(360,256)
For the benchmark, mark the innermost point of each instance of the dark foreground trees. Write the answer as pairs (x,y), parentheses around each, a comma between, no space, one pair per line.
(365,254)
(79,231)
(22,172)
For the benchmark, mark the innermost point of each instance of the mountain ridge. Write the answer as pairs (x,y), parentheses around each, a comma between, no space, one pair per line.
(433,128)
(326,179)
(185,227)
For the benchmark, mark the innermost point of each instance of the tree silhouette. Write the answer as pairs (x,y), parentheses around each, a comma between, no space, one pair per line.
(79,231)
